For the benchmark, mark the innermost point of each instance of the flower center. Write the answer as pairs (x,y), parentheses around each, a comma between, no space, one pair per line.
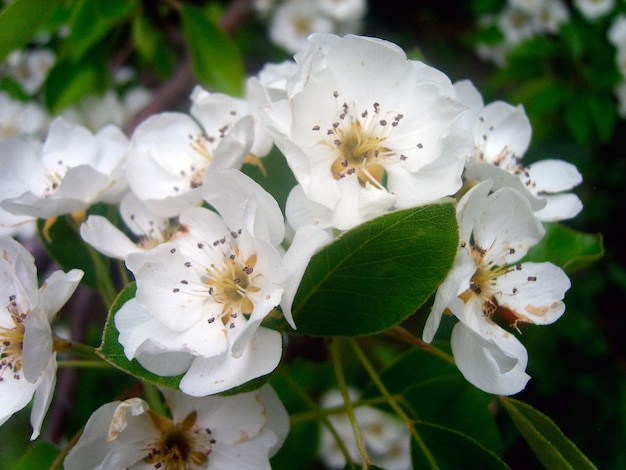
(482,282)
(231,285)
(357,143)
(180,445)
(11,343)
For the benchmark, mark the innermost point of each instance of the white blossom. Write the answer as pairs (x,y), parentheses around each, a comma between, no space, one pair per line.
(293,21)
(218,433)
(488,286)
(171,152)
(70,171)
(27,357)
(502,134)
(365,130)
(201,298)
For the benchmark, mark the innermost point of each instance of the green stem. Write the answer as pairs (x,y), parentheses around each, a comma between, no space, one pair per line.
(391,400)
(75,349)
(343,387)
(318,413)
(153,398)
(409,337)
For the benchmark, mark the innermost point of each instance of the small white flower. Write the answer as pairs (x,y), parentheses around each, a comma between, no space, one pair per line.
(293,21)
(27,358)
(365,130)
(502,134)
(386,438)
(594,9)
(27,120)
(218,433)
(516,25)
(344,10)
(551,15)
(30,68)
(170,153)
(201,299)
(487,283)
(72,170)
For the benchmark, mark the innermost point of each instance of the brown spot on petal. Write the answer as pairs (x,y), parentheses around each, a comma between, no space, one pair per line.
(538,311)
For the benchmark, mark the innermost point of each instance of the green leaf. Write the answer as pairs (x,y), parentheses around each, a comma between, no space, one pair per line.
(454,403)
(20,20)
(217,62)
(377,274)
(41,454)
(151,46)
(413,367)
(69,81)
(567,248)
(441,448)
(112,351)
(91,21)
(548,442)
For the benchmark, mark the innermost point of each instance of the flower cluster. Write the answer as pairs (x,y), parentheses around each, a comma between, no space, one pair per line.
(365,132)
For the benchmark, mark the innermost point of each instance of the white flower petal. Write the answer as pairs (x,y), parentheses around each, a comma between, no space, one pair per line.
(534,292)
(491,359)
(559,207)
(214,375)
(43,396)
(105,237)
(553,176)
(57,290)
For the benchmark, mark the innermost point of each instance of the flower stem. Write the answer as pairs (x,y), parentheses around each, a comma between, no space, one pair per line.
(343,387)
(153,398)
(392,401)
(409,337)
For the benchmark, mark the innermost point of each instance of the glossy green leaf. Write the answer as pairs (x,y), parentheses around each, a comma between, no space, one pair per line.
(545,438)
(113,352)
(20,20)
(377,274)
(437,447)
(41,454)
(217,62)
(567,248)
